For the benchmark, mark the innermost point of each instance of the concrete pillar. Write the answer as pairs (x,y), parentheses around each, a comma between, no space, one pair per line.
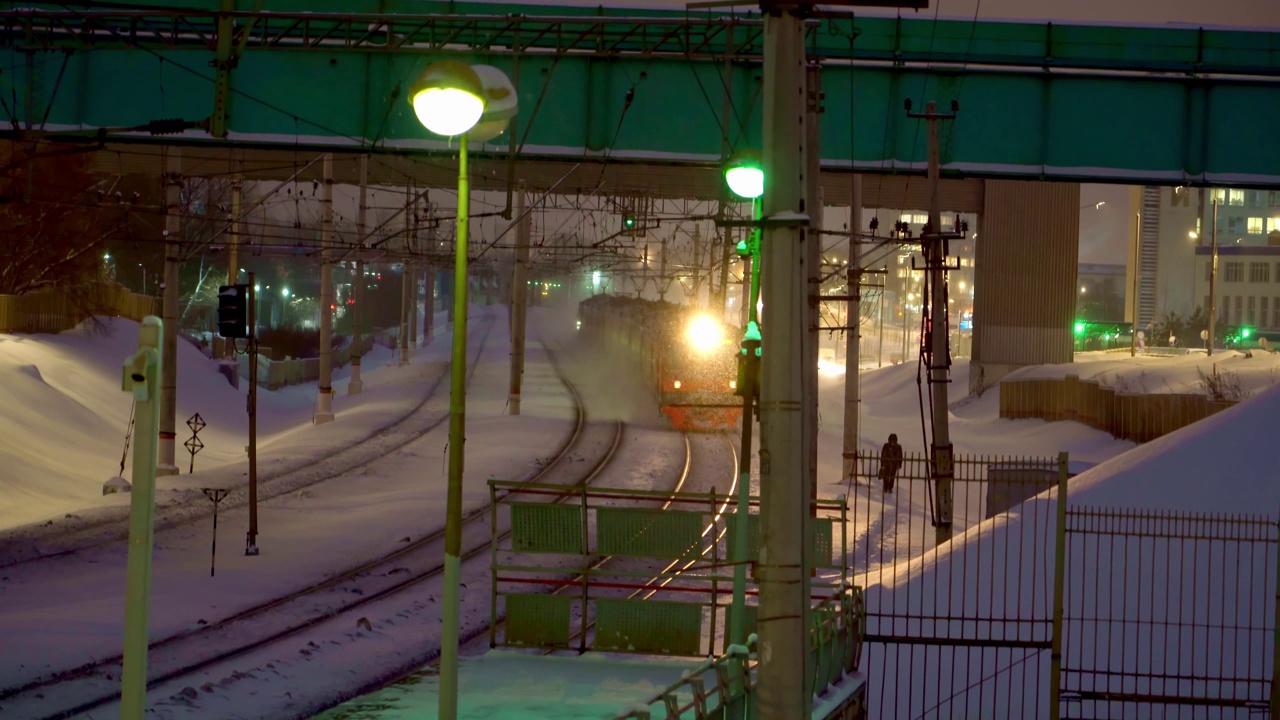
(324,391)
(166,457)
(1028,247)
(355,385)
(783,615)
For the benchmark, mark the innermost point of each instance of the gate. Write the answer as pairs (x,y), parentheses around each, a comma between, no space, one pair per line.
(959,630)
(1188,633)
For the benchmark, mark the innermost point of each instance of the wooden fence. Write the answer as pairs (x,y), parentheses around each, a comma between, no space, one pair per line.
(53,311)
(1139,418)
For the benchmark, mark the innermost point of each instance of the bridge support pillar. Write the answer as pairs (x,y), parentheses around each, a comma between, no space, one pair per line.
(1027,252)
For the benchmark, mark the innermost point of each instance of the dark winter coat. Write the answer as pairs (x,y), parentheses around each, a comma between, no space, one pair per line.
(890,460)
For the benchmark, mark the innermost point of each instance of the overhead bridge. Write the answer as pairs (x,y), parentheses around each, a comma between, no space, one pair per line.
(1164,105)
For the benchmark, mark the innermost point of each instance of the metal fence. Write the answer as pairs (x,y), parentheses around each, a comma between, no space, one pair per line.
(1190,633)
(960,629)
(629,571)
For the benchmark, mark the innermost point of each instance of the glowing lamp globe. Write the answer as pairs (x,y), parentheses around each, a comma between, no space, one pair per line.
(501,104)
(745,175)
(448,98)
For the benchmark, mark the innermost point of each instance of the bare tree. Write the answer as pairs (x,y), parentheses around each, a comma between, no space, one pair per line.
(54,220)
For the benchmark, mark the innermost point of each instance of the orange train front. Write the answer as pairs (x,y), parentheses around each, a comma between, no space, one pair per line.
(688,356)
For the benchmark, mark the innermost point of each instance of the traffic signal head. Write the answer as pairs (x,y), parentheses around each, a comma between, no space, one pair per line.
(1079,328)
(629,222)
(233,311)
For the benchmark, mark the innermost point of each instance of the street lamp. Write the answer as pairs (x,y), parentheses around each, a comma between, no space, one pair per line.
(744,174)
(475,102)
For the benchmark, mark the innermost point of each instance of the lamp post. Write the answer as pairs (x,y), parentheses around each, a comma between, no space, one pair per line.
(475,102)
(745,175)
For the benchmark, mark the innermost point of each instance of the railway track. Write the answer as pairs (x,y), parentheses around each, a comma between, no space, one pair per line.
(185,654)
(350,456)
(663,578)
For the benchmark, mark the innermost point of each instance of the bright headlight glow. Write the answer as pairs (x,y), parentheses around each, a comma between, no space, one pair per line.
(447,111)
(704,334)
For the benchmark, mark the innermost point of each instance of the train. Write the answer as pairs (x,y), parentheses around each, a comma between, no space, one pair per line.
(687,356)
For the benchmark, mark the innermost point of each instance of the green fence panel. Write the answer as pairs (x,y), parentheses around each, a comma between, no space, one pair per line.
(542,527)
(663,534)
(537,620)
(646,626)
(823,540)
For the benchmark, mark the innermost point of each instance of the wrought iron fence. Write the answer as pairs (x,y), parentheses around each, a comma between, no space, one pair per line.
(958,629)
(1169,615)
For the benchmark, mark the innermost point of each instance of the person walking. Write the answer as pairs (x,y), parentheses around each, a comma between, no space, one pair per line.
(890,462)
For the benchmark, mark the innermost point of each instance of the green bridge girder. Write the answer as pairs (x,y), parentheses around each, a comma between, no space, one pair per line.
(1161,105)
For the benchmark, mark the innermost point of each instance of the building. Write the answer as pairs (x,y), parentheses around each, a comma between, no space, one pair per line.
(1173,241)
(1248,286)
(1102,292)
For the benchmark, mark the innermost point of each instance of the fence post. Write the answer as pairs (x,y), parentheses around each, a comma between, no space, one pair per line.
(1275,662)
(1059,582)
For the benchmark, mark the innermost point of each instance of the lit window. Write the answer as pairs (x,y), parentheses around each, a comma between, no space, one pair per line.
(1255,226)
(1235,197)
(1273,224)
(1219,196)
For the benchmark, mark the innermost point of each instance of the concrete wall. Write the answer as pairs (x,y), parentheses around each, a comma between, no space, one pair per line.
(1025,277)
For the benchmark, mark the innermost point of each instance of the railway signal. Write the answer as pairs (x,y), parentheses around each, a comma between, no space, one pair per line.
(233,311)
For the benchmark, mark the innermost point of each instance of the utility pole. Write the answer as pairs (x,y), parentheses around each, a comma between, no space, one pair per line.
(1213,279)
(937,352)
(251,538)
(412,268)
(853,330)
(355,386)
(404,280)
(781,572)
(519,299)
(233,248)
(428,304)
(813,280)
(166,458)
(324,397)
(1137,282)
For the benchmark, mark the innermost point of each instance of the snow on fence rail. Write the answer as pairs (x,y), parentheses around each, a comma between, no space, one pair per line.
(54,311)
(1139,418)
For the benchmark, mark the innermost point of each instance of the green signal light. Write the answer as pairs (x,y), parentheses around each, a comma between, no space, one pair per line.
(1079,328)
(742,249)
(1244,332)
(629,222)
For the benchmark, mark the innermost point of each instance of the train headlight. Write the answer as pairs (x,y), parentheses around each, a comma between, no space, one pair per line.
(676,384)
(704,334)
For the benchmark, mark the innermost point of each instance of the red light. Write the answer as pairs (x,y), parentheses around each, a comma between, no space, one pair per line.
(351,301)
(333,307)
(379,276)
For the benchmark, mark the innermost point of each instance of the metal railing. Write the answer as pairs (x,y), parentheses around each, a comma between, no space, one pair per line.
(835,647)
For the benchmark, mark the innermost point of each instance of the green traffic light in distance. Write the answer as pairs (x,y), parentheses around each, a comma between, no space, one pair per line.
(628,222)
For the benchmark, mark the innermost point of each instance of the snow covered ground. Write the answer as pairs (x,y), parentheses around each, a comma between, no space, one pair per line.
(1156,374)
(64,611)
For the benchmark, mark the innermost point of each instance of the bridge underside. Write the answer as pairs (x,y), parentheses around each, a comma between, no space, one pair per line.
(589,176)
